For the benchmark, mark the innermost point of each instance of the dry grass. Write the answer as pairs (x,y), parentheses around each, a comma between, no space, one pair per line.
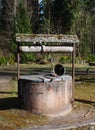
(13,118)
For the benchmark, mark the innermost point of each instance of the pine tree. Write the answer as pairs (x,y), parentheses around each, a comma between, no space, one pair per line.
(62,15)
(7,14)
(22,19)
(82,25)
(46,16)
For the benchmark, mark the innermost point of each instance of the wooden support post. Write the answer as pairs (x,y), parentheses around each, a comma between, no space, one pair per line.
(73,72)
(18,63)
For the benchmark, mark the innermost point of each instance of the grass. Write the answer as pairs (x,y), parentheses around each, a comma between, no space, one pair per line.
(85,94)
(13,118)
(85,90)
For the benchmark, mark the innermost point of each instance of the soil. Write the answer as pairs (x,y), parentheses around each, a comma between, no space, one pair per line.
(14,118)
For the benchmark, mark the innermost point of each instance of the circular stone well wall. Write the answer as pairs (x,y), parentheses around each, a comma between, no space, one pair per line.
(46,95)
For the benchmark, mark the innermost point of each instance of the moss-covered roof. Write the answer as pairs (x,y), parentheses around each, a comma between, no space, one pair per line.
(48,38)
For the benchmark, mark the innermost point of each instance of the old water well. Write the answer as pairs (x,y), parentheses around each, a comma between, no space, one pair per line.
(46,93)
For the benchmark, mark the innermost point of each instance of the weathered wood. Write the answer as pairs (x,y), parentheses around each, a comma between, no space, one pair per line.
(47,38)
(18,61)
(45,49)
(73,73)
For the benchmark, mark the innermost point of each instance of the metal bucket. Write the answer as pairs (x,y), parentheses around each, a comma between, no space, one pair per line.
(59,69)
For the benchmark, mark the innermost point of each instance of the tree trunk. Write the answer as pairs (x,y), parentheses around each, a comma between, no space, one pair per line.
(15,6)
(25,2)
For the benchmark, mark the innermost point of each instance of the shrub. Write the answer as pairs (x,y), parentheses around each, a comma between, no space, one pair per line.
(30,57)
(65,59)
(92,58)
(11,59)
(24,58)
(2,60)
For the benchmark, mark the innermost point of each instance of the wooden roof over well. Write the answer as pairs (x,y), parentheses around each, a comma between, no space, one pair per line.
(48,38)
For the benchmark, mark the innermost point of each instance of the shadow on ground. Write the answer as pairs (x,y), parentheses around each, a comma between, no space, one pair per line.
(13,102)
(85,101)
(9,103)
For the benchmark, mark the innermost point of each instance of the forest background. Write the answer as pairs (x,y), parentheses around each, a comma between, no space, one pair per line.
(47,17)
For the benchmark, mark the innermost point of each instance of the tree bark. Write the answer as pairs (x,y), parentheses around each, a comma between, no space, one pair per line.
(15,6)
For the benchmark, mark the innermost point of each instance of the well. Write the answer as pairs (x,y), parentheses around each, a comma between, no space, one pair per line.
(46,94)
(40,95)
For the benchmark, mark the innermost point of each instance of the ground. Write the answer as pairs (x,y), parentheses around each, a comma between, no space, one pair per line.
(12,117)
